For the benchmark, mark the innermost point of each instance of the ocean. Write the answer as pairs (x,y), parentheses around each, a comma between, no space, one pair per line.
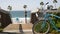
(20,14)
(21,17)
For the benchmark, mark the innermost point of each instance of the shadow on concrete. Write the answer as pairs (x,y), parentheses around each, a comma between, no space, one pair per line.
(7,33)
(20,29)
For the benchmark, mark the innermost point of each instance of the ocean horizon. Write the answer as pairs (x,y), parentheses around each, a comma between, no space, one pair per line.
(20,14)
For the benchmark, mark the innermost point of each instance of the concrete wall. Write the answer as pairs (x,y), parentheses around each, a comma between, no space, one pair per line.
(5,19)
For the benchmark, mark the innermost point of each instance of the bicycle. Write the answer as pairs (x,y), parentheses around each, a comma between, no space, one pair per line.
(43,26)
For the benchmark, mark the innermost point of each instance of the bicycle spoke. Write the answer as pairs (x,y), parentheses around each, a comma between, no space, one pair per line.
(41,28)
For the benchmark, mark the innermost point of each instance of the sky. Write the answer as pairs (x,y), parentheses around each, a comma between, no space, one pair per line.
(18,4)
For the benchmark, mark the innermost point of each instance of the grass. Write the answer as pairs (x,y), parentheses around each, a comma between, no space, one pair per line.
(58,24)
(1,29)
(38,28)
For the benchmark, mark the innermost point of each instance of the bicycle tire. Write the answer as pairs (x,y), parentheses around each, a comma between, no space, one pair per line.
(39,28)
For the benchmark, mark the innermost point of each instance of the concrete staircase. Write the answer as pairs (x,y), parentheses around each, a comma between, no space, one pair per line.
(18,28)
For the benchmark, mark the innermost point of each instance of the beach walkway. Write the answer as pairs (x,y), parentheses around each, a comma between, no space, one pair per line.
(19,28)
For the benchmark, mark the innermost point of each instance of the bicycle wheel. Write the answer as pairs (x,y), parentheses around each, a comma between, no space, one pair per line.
(37,28)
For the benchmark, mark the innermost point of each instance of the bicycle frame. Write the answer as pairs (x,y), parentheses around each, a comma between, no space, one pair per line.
(50,20)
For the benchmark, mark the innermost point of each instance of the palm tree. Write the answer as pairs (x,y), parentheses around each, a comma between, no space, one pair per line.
(41,3)
(9,8)
(55,1)
(25,6)
(51,6)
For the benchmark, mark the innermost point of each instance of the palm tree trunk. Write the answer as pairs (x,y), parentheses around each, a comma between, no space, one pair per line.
(25,16)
